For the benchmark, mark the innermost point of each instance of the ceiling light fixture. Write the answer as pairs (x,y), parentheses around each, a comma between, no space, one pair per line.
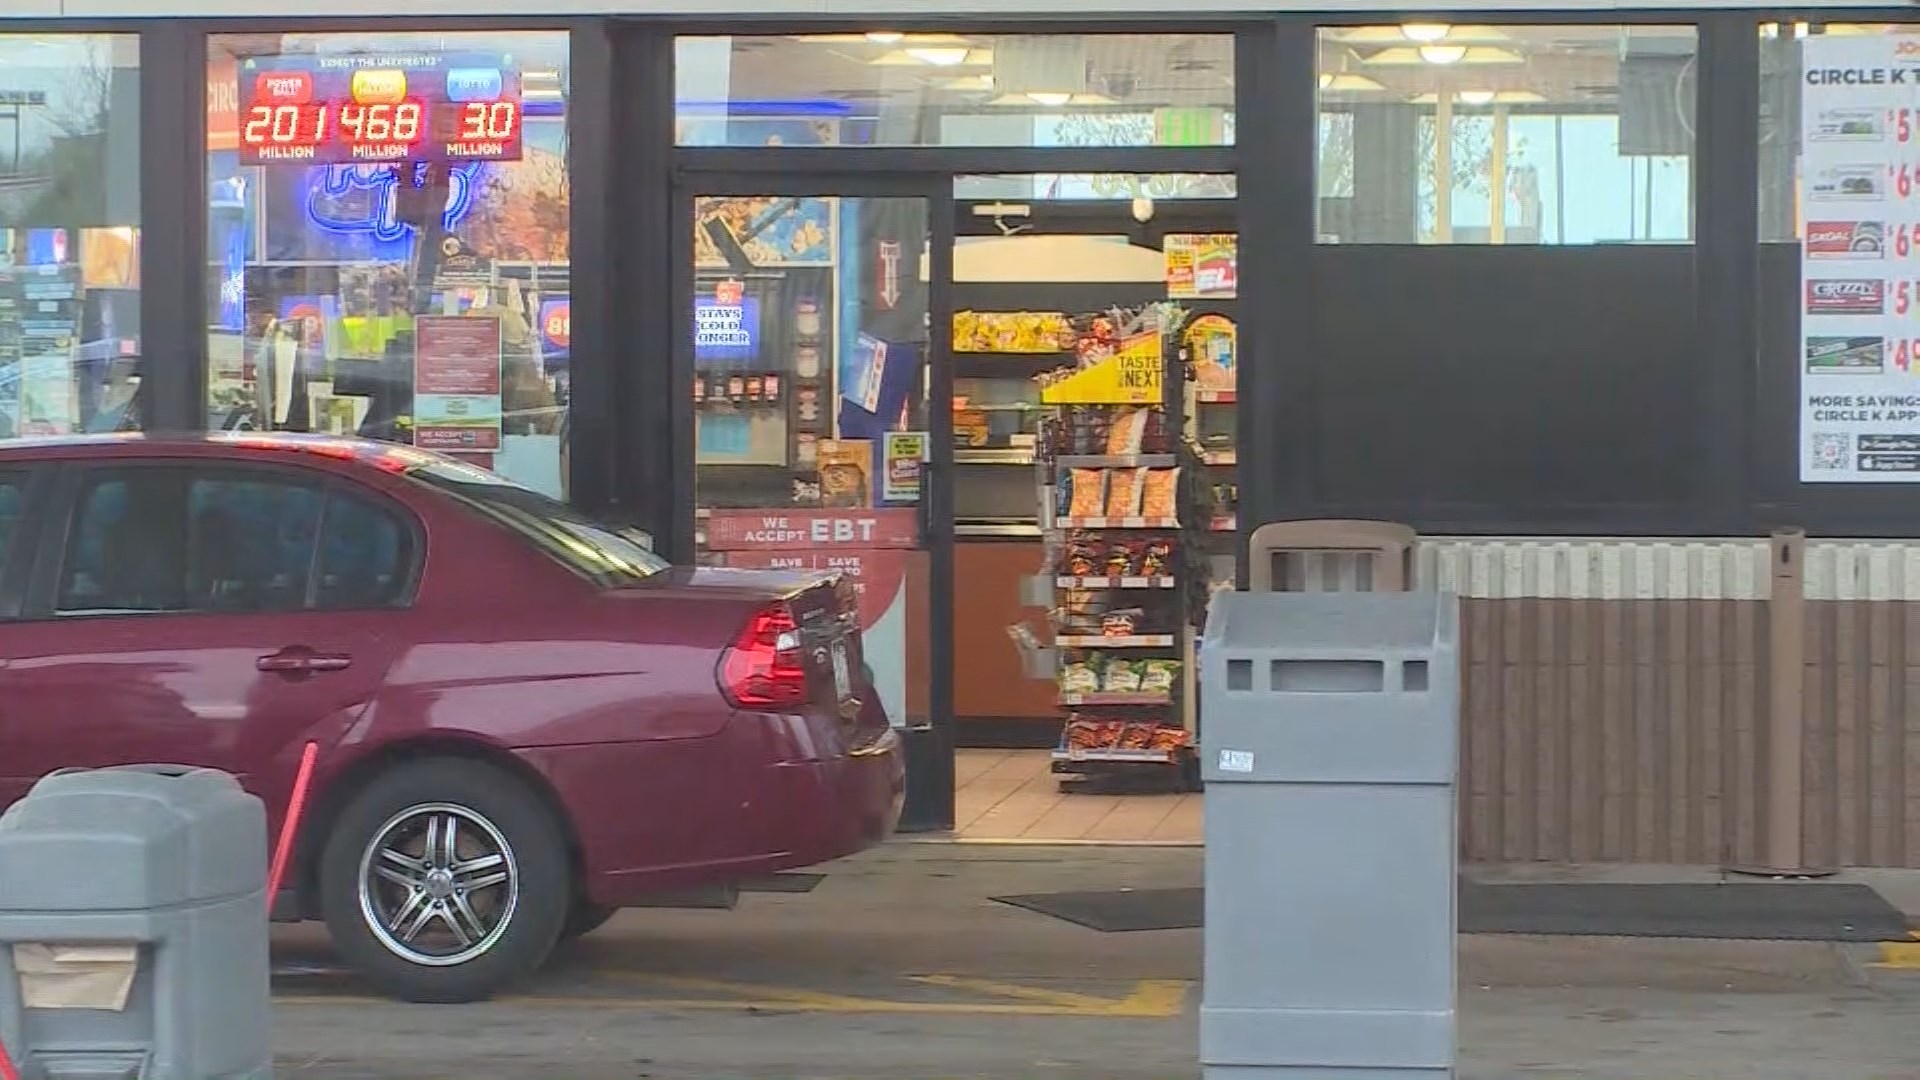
(1348,83)
(1425,33)
(1050,98)
(940,56)
(1442,54)
(1475,97)
(884,37)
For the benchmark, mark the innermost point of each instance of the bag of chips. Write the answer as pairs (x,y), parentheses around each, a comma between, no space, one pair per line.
(1158,676)
(1159,496)
(1089,493)
(1128,432)
(1124,492)
(1120,677)
(1079,679)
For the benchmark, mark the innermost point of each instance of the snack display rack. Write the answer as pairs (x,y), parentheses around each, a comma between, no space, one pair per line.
(1115,476)
(1203,274)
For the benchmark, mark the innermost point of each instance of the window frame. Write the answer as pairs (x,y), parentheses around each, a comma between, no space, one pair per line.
(40,601)
(16,563)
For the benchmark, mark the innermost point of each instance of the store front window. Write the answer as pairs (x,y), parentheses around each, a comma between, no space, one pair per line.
(1440,134)
(388,229)
(893,89)
(69,233)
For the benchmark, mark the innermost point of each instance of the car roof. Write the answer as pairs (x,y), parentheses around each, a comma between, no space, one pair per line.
(336,448)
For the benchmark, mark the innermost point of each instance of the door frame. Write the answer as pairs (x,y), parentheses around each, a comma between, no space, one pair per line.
(929,749)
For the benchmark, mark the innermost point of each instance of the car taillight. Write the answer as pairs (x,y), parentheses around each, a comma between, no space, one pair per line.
(762,669)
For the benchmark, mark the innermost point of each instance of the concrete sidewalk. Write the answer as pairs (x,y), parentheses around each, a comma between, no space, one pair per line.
(899,967)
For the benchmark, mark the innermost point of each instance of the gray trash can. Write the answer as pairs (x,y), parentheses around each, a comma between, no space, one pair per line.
(133,928)
(1329,748)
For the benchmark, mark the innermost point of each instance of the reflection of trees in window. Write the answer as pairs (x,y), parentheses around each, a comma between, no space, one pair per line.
(74,163)
(1137,129)
(1470,155)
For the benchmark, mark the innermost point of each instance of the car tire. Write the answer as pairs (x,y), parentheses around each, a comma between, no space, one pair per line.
(427,924)
(585,919)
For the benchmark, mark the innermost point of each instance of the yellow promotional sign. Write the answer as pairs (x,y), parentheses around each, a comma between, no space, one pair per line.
(1131,376)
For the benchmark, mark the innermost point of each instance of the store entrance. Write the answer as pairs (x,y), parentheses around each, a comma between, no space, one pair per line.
(813,363)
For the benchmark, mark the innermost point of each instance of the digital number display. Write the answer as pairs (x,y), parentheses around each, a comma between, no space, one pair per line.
(331,110)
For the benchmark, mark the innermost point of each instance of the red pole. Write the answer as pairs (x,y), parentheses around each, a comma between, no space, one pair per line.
(284,849)
(7,1071)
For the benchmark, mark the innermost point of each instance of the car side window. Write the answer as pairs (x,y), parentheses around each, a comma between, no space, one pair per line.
(251,542)
(127,546)
(365,556)
(13,498)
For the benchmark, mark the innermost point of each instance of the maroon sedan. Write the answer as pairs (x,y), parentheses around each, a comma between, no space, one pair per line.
(526,720)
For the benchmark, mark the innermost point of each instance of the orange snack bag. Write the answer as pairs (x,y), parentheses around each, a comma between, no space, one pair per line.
(1089,496)
(1160,495)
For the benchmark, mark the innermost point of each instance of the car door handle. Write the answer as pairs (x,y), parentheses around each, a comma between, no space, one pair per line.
(289,661)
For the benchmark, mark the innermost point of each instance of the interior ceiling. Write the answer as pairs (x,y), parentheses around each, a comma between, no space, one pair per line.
(1146,70)
(1570,65)
(1576,65)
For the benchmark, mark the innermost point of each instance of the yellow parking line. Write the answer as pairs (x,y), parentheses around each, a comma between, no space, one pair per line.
(1149,999)
(1901,955)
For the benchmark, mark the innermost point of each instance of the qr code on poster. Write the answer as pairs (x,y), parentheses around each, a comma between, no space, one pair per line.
(1830,451)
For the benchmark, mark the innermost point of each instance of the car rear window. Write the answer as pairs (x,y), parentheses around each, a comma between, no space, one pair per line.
(609,556)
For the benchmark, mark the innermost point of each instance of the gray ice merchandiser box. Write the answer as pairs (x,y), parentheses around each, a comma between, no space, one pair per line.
(133,928)
(1329,747)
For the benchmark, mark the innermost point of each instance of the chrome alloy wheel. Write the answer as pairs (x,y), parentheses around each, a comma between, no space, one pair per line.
(438,884)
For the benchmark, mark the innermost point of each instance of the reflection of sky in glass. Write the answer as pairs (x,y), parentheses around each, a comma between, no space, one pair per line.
(57,65)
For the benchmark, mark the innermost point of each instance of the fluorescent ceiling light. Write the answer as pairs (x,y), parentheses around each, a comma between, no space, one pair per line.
(1051,101)
(1404,56)
(935,56)
(940,55)
(879,37)
(1345,83)
(1424,33)
(969,82)
(1397,35)
(1499,97)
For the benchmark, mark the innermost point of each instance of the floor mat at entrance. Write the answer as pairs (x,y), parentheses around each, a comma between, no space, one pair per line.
(1756,911)
(1759,911)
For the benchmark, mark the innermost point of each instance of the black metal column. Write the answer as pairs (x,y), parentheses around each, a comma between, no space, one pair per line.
(1277,102)
(1727,239)
(591,107)
(930,765)
(173,225)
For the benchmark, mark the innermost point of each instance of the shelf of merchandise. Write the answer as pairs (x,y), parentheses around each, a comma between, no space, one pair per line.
(1145,729)
(1075,700)
(1158,581)
(1133,523)
(1115,641)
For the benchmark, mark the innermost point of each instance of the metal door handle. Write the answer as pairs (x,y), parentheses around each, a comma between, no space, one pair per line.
(301,662)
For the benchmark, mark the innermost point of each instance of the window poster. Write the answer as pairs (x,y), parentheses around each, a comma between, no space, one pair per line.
(456,384)
(1859,352)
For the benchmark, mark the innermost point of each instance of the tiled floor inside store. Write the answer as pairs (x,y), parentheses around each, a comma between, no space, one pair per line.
(1012,795)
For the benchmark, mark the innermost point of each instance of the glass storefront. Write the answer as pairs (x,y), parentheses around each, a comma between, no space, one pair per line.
(832,287)
(70,349)
(1553,134)
(883,88)
(387,240)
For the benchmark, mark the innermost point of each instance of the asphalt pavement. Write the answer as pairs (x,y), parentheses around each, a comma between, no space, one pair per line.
(898,966)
